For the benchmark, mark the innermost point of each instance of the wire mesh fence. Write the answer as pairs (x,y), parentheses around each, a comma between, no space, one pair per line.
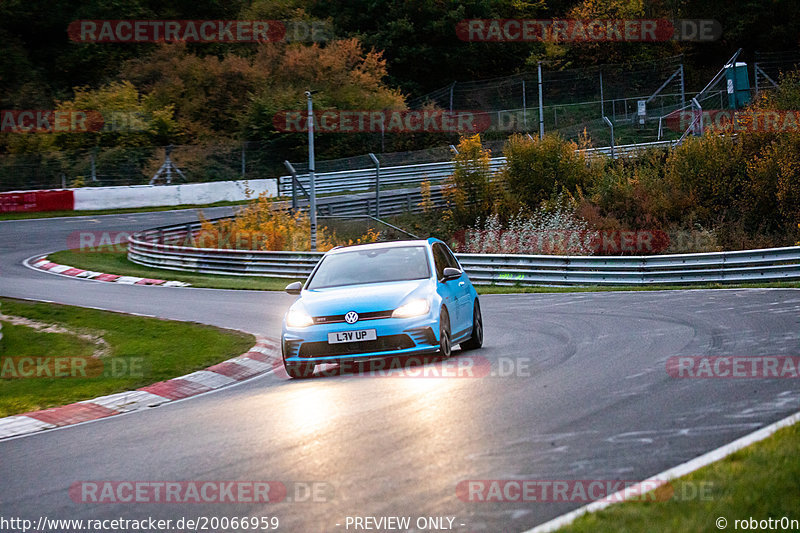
(644,102)
(135,165)
(768,67)
(574,101)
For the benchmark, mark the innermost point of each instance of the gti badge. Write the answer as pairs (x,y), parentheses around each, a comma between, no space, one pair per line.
(351,317)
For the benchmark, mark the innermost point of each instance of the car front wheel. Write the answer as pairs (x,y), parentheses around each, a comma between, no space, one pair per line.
(445,349)
(476,340)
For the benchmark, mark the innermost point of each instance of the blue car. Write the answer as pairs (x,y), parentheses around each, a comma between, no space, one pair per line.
(371,301)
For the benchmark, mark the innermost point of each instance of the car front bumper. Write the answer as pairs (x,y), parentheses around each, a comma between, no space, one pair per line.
(395,337)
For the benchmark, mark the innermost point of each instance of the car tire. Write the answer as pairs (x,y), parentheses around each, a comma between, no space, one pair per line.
(296,370)
(476,340)
(445,345)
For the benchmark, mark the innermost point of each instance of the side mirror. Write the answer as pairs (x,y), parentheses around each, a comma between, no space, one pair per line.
(451,273)
(294,288)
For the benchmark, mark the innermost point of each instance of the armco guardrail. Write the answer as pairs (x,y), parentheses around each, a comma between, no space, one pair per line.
(363,179)
(165,248)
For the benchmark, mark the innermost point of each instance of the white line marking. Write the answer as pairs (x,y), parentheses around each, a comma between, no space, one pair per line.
(673,473)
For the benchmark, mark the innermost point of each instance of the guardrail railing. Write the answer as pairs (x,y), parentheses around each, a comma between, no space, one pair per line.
(166,248)
(364,179)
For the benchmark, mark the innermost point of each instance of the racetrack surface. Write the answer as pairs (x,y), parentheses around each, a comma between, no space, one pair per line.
(589,397)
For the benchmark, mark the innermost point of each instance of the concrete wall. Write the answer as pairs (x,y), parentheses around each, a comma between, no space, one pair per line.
(87,198)
(91,198)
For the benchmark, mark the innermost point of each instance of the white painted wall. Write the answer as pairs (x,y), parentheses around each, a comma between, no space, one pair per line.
(88,198)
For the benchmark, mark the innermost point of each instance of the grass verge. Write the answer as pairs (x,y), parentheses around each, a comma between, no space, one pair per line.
(53,214)
(142,351)
(104,259)
(111,261)
(761,481)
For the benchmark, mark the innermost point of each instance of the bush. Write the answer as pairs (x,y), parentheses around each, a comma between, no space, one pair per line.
(634,193)
(553,229)
(711,171)
(469,191)
(260,226)
(538,168)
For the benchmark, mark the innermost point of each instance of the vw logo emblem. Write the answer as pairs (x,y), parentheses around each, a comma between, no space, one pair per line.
(351,317)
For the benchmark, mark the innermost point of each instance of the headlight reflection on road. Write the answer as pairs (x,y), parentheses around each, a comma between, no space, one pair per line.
(311,408)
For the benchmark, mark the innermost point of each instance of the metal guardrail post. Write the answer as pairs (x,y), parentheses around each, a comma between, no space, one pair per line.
(189,239)
(295,182)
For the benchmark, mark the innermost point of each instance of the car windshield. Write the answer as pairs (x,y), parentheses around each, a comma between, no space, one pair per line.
(372,265)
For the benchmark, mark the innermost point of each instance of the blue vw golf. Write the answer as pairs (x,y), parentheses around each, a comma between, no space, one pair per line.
(380,300)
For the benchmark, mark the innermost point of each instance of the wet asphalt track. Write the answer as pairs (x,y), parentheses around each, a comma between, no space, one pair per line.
(589,398)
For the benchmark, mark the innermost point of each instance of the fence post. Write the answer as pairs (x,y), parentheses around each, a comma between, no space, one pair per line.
(524,108)
(700,108)
(311,170)
(610,125)
(243,160)
(377,185)
(293,172)
(94,171)
(541,107)
(602,102)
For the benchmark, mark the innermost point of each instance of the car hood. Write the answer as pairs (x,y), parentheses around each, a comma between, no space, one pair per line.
(362,298)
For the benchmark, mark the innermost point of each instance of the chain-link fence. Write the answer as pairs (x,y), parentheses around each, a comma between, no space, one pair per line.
(644,102)
(768,68)
(574,101)
(136,165)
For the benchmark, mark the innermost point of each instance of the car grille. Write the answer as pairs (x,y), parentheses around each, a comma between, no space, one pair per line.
(381,344)
(333,319)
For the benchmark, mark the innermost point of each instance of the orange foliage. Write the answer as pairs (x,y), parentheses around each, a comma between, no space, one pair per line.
(261,226)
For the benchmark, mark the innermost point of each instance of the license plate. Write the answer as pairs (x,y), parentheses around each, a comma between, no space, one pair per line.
(352,336)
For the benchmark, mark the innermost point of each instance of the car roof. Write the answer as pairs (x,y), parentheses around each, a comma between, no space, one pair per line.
(387,244)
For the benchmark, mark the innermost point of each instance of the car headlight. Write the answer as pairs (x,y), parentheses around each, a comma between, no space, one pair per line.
(297,318)
(412,308)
